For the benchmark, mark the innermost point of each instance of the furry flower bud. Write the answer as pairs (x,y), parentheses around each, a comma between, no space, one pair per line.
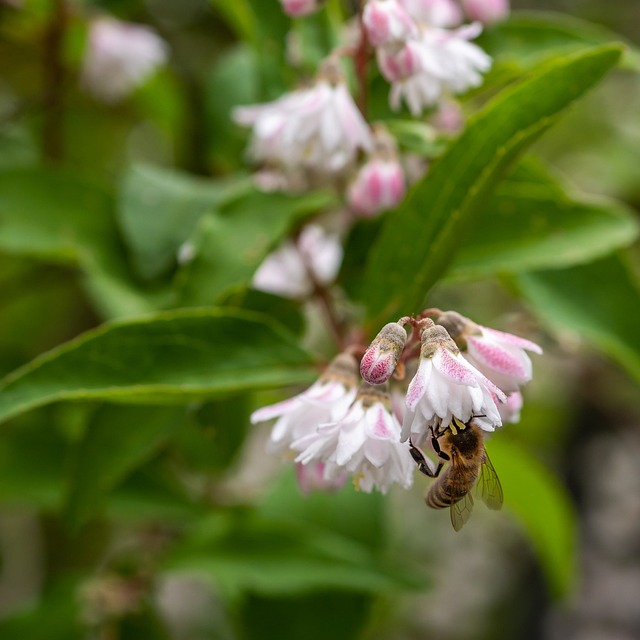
(380,359)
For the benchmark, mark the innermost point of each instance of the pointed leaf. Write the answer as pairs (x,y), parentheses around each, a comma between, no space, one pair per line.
(168,357)
(419,241)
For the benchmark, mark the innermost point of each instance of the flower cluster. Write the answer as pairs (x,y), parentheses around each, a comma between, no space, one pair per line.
(317,135)
(342,427)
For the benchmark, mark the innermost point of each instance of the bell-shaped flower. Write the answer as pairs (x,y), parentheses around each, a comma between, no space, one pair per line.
(510,410)
(365,443)
(120,56)
(317,128)
(311,478)
(500,356)
(446,386)
(327,399)
(293,270)
(439,62)
(387,22)
(380,359)
(486,11)
(434,13)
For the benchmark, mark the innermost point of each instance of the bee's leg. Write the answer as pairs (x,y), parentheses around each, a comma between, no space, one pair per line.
(436,447)
(423,465)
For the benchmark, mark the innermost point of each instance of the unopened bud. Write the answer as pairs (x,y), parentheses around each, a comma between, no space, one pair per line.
(380,359)
(434,337)
(386,22)
(486,11)
(297,8)
(458,327)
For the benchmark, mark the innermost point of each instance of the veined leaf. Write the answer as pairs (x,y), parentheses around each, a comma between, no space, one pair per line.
(535,224)
(168,357)
(419,241)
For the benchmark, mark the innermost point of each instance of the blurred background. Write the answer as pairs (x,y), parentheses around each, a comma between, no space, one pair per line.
(194,532)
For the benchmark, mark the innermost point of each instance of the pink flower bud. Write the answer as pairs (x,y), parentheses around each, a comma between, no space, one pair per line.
(311,477)
(380,359)
(298,8)
(398,65)
(486,11)
(386,22)
(379,185)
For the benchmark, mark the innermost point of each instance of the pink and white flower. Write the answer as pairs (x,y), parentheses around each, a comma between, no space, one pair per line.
(379,186)
(365,443)
(434,13)
(311,477)
(447,386)
(293,270)
(501,357)
(440,62)
(486,11)
(298,8)
(120,56)
(327,399)
(318,128)
(380,359)
(510,410)
(386,22)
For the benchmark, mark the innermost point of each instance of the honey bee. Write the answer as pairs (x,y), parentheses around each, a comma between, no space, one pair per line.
(462,445)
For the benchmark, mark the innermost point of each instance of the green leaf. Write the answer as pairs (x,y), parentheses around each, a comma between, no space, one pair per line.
(597,301)
(118,440)
(537,225)
(528,37)
(159,210)
(419,241)
(58,217)
(168,357)
(543,506)
(230,246)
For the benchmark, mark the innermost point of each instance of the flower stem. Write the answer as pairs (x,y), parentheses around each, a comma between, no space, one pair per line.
(54,75)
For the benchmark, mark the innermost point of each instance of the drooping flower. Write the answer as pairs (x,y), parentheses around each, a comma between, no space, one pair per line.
(298,8)
(120,56)
(500,356)
(439,62)
(486,11)
(434,13)
(365,443)
(380,182)
(293,270)
(387,22)
(510,410)
(447,386)
(380,359)
(311,477)
(327,399)
(317,128)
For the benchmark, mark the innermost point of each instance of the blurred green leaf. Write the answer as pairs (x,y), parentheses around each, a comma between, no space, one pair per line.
(528,37)
(536,225)
(56,216)
(439,211)
(597,301)
(168,357)
(544,508)
(118,439)
(229,246)
(159,210)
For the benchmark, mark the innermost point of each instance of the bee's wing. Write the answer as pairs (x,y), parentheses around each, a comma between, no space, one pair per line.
(461,511)
(488,486)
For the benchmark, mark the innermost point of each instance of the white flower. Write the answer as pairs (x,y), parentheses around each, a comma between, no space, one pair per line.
(311,477)
(447,386)
(293,270)
(120,56)
(365,443)
(510,410)
(317,128)
(501,357)
(327,399)
(434,13)
(439,62)
(386,22)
